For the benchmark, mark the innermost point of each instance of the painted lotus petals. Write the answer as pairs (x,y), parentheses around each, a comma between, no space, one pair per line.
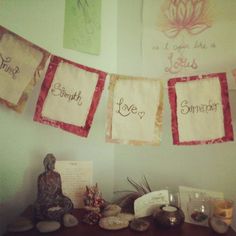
(185,14)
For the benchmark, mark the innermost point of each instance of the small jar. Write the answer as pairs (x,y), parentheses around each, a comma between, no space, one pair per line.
(222,215)
(198,208)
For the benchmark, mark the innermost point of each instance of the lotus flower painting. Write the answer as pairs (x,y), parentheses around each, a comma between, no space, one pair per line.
(189,15)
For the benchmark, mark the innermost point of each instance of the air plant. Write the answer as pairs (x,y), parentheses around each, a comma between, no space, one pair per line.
(126,202)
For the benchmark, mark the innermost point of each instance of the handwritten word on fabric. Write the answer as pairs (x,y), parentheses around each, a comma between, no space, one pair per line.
(134,110)
(69,96)
(200,109)
(20,65)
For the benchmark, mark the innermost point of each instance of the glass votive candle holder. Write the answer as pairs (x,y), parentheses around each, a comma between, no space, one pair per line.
(198,208)
(174,199)
(222,215)
(223,208)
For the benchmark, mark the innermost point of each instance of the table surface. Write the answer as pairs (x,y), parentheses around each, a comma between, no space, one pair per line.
(94,230)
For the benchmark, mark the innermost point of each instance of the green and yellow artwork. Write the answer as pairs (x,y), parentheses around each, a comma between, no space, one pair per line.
(82,27)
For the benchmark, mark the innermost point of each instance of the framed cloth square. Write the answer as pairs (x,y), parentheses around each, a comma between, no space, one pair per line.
(69,96)
(200,109)
(135,107)
(20,65)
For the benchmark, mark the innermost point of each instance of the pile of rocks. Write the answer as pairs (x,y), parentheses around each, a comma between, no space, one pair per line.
(23,224)
(111,218)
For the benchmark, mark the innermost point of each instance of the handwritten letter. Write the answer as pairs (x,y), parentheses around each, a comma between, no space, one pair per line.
(135,110)
(146,205)
(75,175)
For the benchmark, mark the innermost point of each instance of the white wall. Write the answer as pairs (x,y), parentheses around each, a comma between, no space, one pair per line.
(24,143)
(201,166)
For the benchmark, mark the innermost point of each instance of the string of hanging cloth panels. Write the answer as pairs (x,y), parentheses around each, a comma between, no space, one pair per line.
(70,94)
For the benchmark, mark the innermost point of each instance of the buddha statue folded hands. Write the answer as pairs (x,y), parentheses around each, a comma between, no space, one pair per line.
(51,203)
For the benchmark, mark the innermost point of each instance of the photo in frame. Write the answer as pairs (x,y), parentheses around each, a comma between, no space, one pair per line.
(21,66)
(69,96)
(200,109)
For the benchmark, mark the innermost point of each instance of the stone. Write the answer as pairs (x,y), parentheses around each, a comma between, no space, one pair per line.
(94,209)
(111,210)
(70,220)
(139,225)
(22,224)
(126,216)
(48,226)
(113,223)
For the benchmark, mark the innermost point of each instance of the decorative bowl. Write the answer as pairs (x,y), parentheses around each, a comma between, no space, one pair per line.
(168,216)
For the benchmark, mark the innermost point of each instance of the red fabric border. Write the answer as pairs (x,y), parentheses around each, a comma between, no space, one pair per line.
(78,130)
(229,136)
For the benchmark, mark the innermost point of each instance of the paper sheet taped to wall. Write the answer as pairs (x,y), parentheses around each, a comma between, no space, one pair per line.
(75,176)
(82,27)
(135,107)
(186,37)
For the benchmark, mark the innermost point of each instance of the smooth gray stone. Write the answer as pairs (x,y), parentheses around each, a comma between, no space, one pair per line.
(111,210)
(70,220)
(113,223)
(126,216)
(139,225)
(22,224)
(48,226)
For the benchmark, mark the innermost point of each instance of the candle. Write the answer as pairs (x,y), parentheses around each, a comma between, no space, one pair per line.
(169,208)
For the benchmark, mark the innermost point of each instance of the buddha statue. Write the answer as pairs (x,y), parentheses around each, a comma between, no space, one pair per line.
(51,204)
